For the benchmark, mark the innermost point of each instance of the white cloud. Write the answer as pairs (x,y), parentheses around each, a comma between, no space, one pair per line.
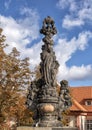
(80,12)
(63,4)
(33,53)
(21,32)
(69,22)
(75,73)
(83,39)
(7,4)
(80,73)
(64,50)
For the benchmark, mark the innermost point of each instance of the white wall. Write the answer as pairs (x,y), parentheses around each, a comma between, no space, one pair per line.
(72,122)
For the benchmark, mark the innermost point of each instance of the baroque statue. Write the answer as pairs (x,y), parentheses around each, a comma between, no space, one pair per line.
(43,98)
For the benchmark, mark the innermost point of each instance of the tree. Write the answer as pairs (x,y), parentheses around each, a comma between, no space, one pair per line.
(37,73)
(15,78)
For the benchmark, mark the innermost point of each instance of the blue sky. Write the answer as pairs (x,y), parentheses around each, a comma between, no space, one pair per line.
(21,21)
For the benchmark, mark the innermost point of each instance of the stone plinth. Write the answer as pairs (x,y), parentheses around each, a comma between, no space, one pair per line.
(46,128)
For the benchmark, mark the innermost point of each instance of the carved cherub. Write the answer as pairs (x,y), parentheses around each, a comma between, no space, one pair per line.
(64,97)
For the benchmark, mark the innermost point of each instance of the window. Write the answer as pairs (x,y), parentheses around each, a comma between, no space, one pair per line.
(88,103)
(89,125)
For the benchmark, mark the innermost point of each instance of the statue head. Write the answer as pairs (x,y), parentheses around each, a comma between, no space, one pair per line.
(64,84)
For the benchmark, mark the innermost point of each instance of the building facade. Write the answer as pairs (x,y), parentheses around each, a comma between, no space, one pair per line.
(81,111)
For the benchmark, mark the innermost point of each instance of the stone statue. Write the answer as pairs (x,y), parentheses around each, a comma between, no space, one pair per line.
(66,93)
(64,98)
(43,98)
(49,65)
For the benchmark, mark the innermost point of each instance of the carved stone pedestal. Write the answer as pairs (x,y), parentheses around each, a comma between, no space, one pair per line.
(48,107)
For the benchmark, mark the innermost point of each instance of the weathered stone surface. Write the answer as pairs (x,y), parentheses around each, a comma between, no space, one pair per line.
(43,98)
(65,128)
(46,128)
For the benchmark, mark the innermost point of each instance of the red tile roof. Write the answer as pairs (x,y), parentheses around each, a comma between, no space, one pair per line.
(77,107)
(80,94)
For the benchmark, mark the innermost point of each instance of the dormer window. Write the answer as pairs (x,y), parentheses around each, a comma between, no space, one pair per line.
(88,103)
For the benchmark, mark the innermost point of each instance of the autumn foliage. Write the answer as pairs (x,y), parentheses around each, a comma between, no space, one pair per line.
(15,78)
